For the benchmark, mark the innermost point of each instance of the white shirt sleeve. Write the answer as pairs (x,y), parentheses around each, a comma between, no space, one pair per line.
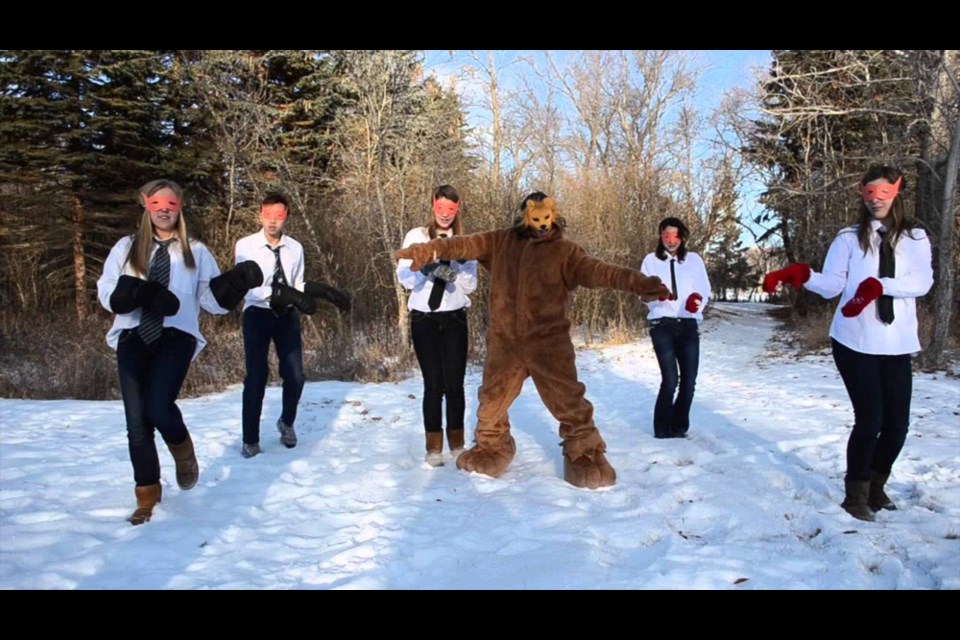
(466,276)
(207,270)
(703,281)
(917,278)
(112,270)
(298,269)
(831,281)
(409,279)
(646,268)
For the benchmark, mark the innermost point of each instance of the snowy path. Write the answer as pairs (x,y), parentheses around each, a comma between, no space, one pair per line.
(749,501)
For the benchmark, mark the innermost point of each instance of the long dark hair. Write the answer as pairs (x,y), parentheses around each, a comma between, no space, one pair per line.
(448,192)
(684,234)
(899,222)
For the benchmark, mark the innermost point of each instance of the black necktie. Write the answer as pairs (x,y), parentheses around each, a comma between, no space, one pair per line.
(436,294)
(673,280)
(151,322)
(888,268)
(278,267)
(278,278)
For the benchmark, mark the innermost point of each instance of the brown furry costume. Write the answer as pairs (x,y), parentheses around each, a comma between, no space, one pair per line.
(532,277)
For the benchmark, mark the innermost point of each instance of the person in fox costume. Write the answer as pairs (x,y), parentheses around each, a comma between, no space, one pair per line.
(533,270)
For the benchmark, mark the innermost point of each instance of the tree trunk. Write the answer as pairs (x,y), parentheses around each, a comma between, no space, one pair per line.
(231,193)
(943,297)
(943,268)
(495,114)
(79,261)
(403,314)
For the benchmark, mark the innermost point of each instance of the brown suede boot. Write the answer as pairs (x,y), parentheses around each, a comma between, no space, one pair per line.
(878,499)
(489,461)
(455,442)
(188,470)
(589,471)
(147,499)
(855,503)
(434,448)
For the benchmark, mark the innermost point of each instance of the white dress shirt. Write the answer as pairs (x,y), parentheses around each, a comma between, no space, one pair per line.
(191,286)
(456,294)
(691,277)
(846,266)
(256,247)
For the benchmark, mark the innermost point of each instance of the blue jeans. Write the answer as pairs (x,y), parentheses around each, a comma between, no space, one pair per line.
(879,388)
(150,381)
(676,342)
(260,327)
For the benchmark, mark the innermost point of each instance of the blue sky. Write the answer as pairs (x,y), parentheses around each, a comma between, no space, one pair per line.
(727,69)
(717,72)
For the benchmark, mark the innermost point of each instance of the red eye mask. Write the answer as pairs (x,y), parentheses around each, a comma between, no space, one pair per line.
(156,203)
(445,207)
(670,237)
(274,212)
(881,191)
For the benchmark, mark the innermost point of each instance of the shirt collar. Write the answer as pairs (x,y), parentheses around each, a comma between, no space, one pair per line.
(266,240)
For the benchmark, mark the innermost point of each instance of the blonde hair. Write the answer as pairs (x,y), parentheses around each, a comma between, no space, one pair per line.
(139,255)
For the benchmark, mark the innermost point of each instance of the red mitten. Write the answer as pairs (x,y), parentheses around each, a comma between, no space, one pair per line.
(664,294)
(693,302)
(868,291)
(794,275)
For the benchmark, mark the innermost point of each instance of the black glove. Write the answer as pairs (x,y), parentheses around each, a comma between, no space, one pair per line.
(153,296)
(445,272)
(284,296)
(124,296)
(132,293)
(428,269)
(339,299)
(230,287)
(246,275)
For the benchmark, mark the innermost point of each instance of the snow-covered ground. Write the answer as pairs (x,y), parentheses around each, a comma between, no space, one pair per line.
(750,500)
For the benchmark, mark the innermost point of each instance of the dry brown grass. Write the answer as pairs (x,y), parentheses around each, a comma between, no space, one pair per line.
(45,359)
(809,332)
(42,359)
